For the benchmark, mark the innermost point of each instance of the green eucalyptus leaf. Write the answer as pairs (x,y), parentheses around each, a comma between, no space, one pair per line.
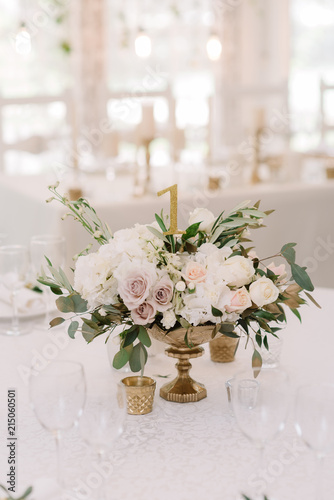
(258,338)
(138,358)
(80,305)
(289,252)
(227,328)
(296,313)
(94,326)
(56,290)
(243,205)
(256,362)
(301,277)
(130,336)
(191,231)
(121,358)
(144,337)
(65,304)
(72,329)
(216,312)
(56,321)
(231,335)
(312,299)
(157,234)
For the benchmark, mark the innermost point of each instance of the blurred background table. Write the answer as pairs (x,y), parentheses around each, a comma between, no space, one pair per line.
(303,214)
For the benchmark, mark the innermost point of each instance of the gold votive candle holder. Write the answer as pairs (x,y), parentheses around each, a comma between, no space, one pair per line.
(139,394)
(223,349)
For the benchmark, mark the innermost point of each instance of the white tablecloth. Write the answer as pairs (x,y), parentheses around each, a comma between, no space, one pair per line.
(304,214)
(179,451)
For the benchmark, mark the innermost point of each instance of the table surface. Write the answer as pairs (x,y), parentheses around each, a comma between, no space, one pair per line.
(179,451)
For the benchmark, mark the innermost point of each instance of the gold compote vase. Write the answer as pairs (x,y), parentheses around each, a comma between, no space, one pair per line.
(183,389)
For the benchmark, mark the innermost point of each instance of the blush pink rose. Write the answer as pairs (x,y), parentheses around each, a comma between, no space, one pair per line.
(280,271)
(162,294)
(240,300)
(145,313)
(195,272)
(134,287)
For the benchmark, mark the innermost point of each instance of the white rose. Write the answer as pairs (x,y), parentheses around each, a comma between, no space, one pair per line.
(168,319)
(237,271)
(263,291)
(204,216)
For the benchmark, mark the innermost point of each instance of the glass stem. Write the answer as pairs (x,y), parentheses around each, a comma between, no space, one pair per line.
(101,493)
(320,477)
(15,318)
(58,454)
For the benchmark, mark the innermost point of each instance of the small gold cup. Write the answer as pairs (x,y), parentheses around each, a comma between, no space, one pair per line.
(139,394)
(223,349)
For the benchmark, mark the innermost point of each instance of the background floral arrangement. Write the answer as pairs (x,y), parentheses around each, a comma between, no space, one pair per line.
(207,276)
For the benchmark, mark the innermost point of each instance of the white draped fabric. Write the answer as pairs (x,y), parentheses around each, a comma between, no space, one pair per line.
(179,451)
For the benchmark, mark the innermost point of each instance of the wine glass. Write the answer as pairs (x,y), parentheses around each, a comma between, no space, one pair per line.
(260,401)
(52,247)
(57,396)
(14,264)
(314,422)
(102,423)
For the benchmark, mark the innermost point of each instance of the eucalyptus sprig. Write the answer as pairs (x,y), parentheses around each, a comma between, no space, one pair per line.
(10,497)
(83,212)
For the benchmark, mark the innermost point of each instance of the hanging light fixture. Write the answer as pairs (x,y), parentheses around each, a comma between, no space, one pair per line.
(23,41)
(143,44)
(214,47)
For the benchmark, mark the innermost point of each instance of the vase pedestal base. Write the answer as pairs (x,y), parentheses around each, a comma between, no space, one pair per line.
(183,389)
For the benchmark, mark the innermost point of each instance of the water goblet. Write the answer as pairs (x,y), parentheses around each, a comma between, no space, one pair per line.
(14,263)
(260,401)
(314,423)
(57,396)
(101,424)
(52,247)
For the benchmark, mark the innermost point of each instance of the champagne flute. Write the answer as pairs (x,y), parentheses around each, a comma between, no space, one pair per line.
(52,247)
(102,423)
(14,263)
(57,396)
(314,422)
(260,402)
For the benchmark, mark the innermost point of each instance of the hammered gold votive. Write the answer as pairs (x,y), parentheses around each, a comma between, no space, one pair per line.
(222,349)
(139,394)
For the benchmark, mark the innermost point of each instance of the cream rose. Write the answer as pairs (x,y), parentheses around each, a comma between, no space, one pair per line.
(237,271)
(162,294)
(204,216)
(240,300)
(194,272)
(145,313)
(263,291)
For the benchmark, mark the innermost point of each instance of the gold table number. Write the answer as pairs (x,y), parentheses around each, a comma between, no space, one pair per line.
(173,210)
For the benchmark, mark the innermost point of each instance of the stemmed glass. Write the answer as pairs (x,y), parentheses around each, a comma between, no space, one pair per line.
(14,264)
(260,401)
(314,422)
(52,247)
(102,422)
(57,396)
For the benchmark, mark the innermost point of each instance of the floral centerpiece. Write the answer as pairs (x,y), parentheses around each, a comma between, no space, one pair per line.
(210,275)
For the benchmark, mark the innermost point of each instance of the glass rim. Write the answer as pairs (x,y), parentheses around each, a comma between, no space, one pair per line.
(8,248)
(76,365)
(47,238)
